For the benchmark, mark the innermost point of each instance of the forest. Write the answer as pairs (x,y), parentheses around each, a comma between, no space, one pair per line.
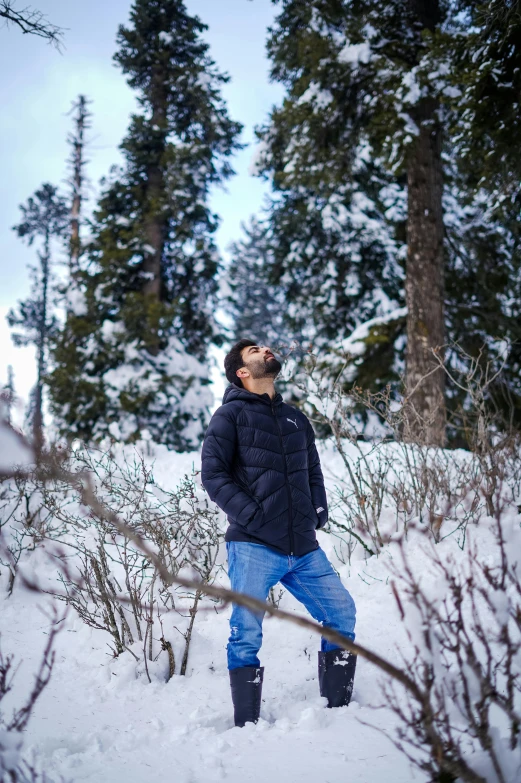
(383,268)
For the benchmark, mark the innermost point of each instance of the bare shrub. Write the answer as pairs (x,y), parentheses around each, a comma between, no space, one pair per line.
(459,704)
(25,523)
(102,575)
(384,485)
(457,688)
(276,598)
(491,436)
(109,582)
(463,622)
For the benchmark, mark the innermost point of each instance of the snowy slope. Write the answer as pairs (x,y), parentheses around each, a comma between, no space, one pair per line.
(97,722)
(100,720)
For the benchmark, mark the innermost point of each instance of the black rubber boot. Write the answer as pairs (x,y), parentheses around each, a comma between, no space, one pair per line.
(336,675)
(246,685)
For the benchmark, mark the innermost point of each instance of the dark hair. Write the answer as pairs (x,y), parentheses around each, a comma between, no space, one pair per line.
(233,361)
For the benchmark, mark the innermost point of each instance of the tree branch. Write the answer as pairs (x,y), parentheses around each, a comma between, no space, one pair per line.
(31,22)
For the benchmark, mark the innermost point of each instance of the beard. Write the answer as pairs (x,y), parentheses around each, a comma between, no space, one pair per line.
(265,369)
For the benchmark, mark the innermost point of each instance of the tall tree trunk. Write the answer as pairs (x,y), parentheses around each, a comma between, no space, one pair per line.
(424,284)
(156,227)
(9,394)
(78,142)
(41,348)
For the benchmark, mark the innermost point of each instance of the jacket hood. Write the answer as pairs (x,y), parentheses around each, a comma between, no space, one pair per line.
(234,392)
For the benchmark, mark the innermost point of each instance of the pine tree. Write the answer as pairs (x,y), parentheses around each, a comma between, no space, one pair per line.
(255,307)
(425,380)
(135,357)
(44,217)
(478,68)
(487,71)
(337,217)
(370,191)
(343,65)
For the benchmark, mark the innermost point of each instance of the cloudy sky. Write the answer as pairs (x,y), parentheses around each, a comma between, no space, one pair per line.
(38,85)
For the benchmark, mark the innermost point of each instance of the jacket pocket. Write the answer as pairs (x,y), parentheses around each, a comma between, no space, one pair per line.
(256,520)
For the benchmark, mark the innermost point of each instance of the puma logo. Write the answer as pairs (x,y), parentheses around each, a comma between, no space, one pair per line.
(293,422)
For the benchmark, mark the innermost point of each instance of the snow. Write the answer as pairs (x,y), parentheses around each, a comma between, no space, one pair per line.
(413,91)
(355,53)
(76,303)
(111,329)
(14,453)
(452,92)
(174,381)
(314,94)
(257,158)
(10,753)
(204,79)
(100,720)
(165,37)
(410,127)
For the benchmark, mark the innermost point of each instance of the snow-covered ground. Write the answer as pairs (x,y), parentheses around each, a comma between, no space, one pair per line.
(100,720)
(96,721)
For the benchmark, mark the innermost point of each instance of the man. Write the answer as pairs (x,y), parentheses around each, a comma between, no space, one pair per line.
(261,466)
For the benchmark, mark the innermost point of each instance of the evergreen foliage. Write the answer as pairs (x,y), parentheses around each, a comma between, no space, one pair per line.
(134,355)
(486,63)
(44,218)
(484,222)
(256,307)
(333,245)
(337,219)
(362,79)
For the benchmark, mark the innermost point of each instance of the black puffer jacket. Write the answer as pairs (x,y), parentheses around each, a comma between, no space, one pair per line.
(261,466)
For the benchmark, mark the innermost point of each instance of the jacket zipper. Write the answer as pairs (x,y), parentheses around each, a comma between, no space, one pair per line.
(288,489)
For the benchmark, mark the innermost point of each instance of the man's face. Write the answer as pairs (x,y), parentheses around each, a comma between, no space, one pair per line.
(260,362)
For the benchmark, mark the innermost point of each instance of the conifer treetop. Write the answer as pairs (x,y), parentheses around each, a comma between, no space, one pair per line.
(167,62)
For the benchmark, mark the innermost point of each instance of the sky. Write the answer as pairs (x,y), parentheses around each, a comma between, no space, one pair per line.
(38,85)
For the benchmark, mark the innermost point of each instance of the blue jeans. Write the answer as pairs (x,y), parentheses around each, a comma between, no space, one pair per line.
(253,569)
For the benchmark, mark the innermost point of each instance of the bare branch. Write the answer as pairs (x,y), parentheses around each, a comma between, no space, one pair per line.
(31,22)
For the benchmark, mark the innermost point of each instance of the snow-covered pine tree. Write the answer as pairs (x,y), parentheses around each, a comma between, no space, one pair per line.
(479,47)
(372,100)
(63,346)
(44,218)
(483,303)
(136,356)
(337,219)
(255,306)
(487,70)
(365,129)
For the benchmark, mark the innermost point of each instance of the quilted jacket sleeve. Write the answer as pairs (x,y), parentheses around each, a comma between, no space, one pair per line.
(316,479)
(216,470)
